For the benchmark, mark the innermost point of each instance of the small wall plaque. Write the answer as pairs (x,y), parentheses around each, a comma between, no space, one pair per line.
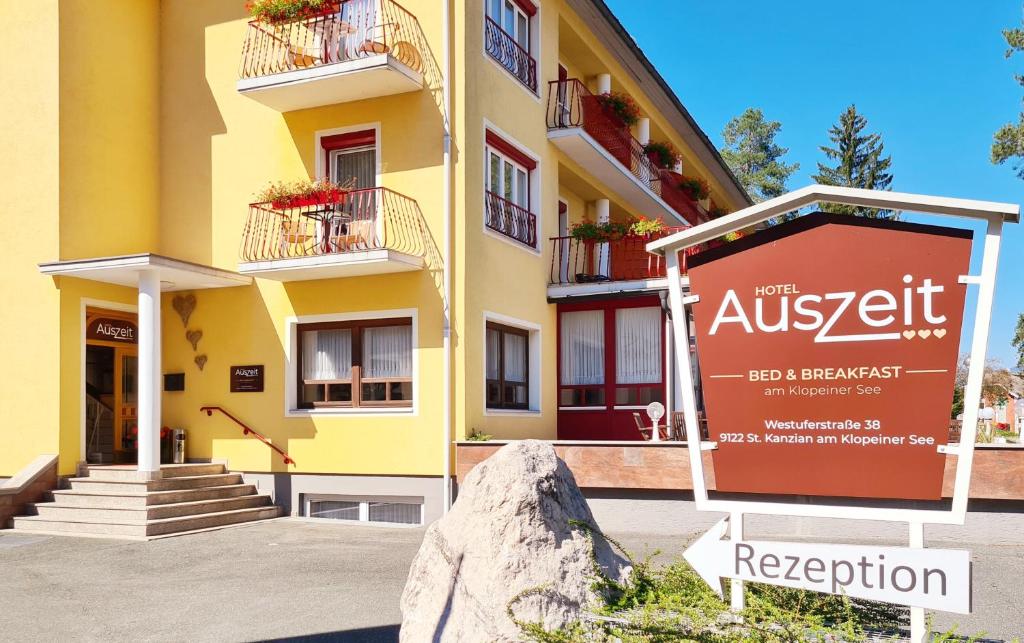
(174,381)
(247,379)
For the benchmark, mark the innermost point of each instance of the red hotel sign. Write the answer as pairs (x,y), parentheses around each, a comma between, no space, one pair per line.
(828,349)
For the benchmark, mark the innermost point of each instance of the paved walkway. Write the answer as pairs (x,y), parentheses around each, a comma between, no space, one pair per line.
(296,580)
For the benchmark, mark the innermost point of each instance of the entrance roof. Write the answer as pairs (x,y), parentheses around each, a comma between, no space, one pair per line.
(923,203)
(123,270)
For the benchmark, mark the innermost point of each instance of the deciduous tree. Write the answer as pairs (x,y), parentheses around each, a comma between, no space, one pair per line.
(1008,141)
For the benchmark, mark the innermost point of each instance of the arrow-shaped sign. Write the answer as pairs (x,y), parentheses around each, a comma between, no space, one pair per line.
(932,578)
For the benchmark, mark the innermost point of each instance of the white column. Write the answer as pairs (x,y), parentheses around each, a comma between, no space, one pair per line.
(604,83)
(602,209)
(643,131)
(149,373)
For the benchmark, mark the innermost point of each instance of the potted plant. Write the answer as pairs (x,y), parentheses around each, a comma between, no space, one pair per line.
(715,212)
(695,187)
(588,231)
(296,194)
(275,11)
(644,227)
(662,154)
(621,106)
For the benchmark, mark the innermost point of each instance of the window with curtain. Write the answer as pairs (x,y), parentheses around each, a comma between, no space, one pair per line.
(507,367)
(366,363)
(355,163)
(638,356)
(582,358)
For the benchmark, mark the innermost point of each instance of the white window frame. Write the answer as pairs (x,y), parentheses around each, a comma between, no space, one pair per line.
(533,178)
(334,154)
(291,394)
(503,161)
(318,161)
(364,508)
(535,336)
(534,27)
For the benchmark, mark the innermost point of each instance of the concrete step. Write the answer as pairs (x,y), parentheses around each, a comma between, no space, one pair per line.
(130,474)
(158,527)
(141,499)
(72,513)
(140,487)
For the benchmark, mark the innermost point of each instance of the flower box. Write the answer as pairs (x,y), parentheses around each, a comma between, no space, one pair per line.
(305,201)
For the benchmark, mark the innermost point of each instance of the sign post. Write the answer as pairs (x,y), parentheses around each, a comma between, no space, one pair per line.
(828,347)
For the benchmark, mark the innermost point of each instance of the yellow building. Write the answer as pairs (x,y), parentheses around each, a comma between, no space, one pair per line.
(440,292)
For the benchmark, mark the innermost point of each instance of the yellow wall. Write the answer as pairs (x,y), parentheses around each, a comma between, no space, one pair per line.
(127,134)
(29,179)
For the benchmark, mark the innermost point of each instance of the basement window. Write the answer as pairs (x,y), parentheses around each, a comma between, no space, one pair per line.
(388,510)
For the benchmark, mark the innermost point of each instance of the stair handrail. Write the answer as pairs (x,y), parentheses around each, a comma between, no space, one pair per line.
(247,430)
(100,407)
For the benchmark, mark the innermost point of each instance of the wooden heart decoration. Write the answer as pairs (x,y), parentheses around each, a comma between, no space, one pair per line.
(939,332)
(200,361)
(909,334)
(193,337)
(184,305)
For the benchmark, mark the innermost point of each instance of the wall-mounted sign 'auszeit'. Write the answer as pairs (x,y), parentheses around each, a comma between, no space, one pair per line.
(247,379)
(828,349)
(112,329)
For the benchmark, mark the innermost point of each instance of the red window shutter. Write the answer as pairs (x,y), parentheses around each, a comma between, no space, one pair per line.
(349,139)
(509,150)
(528,7)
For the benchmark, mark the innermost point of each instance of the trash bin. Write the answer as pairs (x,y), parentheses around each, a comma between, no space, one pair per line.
(178,446)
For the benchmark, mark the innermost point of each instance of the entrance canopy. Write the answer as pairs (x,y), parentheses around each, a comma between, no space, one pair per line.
(123,270)
(923,203)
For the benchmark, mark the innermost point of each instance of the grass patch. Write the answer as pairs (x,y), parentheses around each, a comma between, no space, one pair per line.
(673,603)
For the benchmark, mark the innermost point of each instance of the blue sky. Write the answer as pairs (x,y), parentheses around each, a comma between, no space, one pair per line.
(929,76)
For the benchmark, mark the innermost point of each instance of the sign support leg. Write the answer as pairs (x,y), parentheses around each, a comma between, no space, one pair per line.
(917,629)
(736,585)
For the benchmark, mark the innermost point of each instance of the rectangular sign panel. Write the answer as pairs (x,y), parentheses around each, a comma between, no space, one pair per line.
(112,329)
(828,347)
(937,579)
(247,379)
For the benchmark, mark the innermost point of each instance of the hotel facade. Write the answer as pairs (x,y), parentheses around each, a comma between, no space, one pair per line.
(336,354)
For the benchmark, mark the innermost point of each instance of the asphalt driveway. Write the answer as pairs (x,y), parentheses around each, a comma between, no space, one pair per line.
(298,580)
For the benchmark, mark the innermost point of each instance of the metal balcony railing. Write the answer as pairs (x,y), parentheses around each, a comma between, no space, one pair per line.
(570,104)
(502,47)
(581,261)
(343,31)
(511,220)
(359,220)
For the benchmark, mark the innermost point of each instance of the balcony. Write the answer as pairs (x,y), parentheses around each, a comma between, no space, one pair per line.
(352,50)
(510,220)
(596,139)
(350,234)
(508,53)
(587,267)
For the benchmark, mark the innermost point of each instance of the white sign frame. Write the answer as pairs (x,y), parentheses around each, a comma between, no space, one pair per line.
(995,214)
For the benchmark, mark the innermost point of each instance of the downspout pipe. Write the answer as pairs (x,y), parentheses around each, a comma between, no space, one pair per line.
(446,424)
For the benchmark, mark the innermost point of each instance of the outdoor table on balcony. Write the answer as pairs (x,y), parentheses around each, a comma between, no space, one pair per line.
(328,218)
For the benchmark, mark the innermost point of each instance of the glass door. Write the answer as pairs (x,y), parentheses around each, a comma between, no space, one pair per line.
(126,402)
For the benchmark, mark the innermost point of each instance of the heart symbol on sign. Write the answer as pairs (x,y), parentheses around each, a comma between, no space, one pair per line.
(924,334)
(193,337)
(909,334)
(200,361)
(184,305)
(940,332)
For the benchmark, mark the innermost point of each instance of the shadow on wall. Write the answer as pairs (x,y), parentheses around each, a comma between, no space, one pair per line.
(190,118)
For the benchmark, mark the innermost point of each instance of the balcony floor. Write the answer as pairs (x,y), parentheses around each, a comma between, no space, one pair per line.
(581,147)
(333,266)
(340,82)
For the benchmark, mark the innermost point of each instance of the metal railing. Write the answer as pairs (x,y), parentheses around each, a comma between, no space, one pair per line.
(570,104)
(581,261)
(246,431)
(343,31)
(679,200)
(370,219)
(503,48)
(509,219)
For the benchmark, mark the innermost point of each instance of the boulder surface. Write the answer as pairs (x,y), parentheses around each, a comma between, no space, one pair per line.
(508,533)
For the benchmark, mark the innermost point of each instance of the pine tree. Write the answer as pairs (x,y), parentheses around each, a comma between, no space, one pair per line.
(1008,141)
(859,163)
(754,157)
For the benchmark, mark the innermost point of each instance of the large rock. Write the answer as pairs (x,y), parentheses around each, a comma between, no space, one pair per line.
(508,533)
